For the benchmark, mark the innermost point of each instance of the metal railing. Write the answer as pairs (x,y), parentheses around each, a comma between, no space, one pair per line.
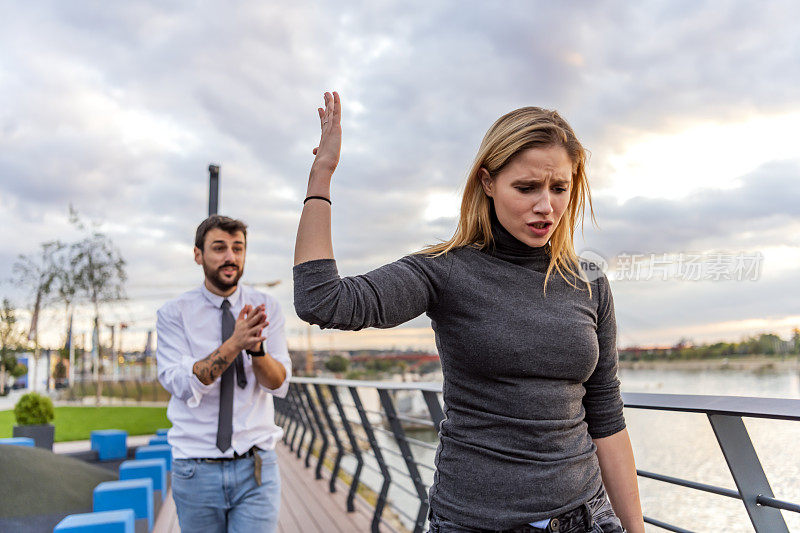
(315,417)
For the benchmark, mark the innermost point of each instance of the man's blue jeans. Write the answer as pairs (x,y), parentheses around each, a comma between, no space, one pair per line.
(223,496)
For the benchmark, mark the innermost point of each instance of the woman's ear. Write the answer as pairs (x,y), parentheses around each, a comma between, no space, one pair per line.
(486,181)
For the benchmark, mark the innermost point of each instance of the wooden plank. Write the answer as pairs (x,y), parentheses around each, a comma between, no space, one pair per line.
(332,504)
(286,516)
(167,519)
(311,501)
(293,498)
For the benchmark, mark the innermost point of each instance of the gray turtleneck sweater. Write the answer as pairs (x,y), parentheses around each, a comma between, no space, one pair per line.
(529,380)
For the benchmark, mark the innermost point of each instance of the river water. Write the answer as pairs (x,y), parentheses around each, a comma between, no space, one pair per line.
(676,444)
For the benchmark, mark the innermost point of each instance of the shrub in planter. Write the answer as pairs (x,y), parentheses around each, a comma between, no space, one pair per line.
(33,414)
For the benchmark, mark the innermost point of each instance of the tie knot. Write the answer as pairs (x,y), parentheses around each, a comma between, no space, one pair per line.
(226,304)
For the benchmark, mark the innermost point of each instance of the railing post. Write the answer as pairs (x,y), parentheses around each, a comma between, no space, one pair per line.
(413,471)
(295,417)
(434,408)
(301,397)
(298,401)
(288,417)
(277,405)
(339,448)
(747,472)
(376,449)
(322,432)
(356,450)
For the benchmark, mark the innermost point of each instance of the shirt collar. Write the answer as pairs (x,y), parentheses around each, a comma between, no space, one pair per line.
(216,300)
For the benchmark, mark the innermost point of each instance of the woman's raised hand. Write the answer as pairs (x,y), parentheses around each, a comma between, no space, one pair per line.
(330,142)
(314,230)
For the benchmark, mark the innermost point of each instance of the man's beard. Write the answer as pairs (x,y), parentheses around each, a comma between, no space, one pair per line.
(215,277)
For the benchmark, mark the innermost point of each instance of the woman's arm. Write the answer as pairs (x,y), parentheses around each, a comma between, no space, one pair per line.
(618,470)
(314,231)
(384,297)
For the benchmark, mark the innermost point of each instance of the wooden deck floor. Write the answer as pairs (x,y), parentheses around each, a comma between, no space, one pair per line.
(306,504)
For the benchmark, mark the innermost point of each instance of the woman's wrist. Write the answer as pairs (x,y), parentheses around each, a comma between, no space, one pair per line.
(319,184)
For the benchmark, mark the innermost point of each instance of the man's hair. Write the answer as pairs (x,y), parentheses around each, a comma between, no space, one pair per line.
(227,224)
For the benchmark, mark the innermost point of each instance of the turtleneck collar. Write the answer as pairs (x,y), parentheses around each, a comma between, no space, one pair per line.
(511,249)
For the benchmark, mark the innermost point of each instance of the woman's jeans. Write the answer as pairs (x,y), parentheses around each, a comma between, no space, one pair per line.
(224,496)
(594,516)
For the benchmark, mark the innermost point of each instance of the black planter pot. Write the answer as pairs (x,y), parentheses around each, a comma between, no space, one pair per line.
(42,434)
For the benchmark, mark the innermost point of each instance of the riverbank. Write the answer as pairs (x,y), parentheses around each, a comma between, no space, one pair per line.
(757,364)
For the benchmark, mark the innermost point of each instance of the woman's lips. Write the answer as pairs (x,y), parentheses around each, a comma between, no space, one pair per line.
(540,232)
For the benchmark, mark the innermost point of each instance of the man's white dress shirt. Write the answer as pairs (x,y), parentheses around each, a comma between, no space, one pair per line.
(189,329)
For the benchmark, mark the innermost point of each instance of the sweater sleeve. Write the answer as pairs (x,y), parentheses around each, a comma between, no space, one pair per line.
(383,298)
(603,401)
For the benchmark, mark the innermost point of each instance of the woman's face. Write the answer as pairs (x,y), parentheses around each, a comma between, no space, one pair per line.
(533,188)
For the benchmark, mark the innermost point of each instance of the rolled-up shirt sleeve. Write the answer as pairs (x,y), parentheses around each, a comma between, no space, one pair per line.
(276,346)
(174,359)
(603,401)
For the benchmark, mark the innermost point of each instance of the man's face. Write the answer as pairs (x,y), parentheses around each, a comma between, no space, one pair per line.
(222,258)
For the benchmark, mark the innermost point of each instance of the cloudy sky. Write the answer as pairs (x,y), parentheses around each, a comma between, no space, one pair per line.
(690,110)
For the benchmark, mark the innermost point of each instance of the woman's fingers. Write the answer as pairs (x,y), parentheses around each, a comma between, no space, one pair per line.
(329,148)
(337,106)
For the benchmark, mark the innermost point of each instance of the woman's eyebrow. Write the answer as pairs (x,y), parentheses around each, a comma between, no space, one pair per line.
(533,181)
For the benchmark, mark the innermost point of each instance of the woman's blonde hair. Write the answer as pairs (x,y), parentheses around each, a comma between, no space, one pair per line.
(514,132)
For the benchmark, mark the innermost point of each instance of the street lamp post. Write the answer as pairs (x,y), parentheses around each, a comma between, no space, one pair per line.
(213,189)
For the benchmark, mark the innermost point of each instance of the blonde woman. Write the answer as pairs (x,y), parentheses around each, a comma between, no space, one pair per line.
(534,434)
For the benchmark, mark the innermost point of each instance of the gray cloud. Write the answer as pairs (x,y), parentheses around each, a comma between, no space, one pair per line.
(754,215)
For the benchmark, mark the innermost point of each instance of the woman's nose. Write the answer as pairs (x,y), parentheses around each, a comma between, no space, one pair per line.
(543,204)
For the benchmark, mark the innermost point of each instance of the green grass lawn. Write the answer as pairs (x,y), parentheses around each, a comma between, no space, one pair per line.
(77,423)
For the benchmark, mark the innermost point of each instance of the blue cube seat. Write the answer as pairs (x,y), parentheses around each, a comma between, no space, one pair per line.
(110,444)
(157,441)
(162,432)
(153,469)
(18,441)
(163,451)
(120,521)
(136,494)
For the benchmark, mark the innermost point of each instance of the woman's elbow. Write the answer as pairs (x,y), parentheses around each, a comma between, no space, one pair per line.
(308,313)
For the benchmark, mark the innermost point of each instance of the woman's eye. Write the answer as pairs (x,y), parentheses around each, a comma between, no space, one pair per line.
(561,189)
(524,189)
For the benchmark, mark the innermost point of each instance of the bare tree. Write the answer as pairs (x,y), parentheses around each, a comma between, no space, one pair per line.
(99,272)
(10,339)
(37,273)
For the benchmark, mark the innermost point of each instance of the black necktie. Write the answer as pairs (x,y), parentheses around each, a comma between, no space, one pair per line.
(225,421)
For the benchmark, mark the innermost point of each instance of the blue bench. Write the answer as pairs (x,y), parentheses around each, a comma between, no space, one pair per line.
(162,451)
(136,494)
(153,469)
(162,432)
(157,441)
(110,444)
(120,521)
(18,441)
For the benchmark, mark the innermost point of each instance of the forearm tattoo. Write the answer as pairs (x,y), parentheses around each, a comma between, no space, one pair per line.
(208,369)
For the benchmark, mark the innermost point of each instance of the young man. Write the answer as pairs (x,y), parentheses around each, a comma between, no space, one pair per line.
(222,355)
